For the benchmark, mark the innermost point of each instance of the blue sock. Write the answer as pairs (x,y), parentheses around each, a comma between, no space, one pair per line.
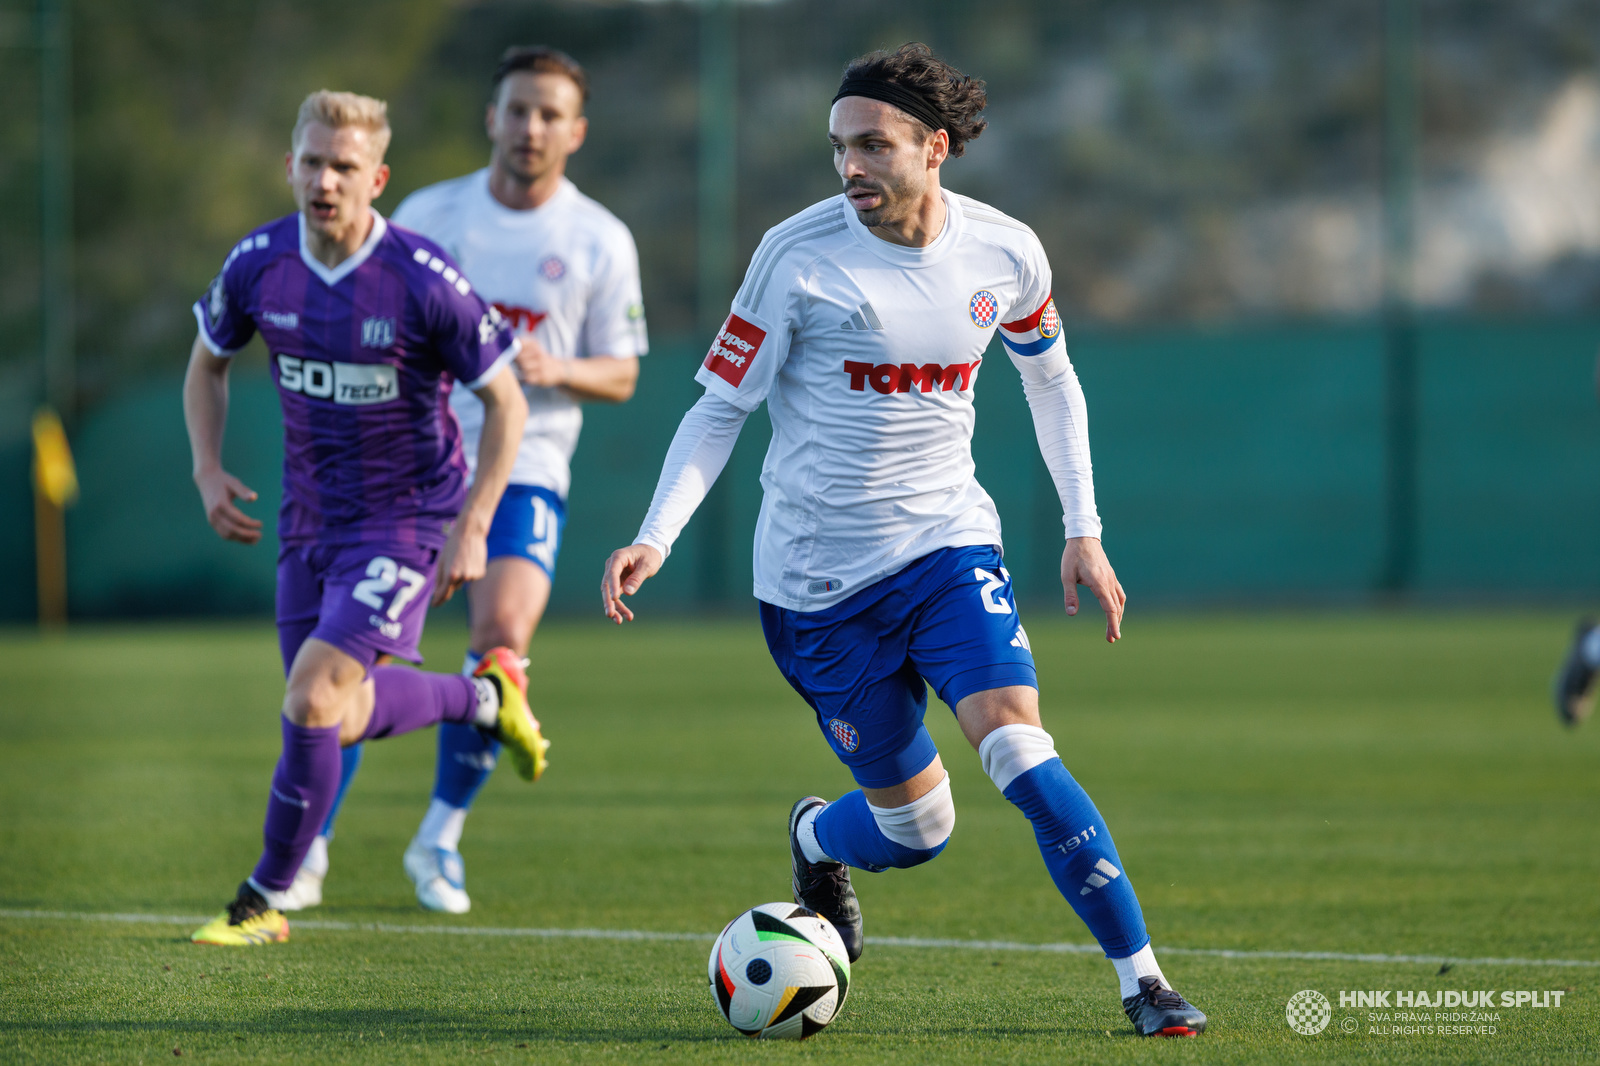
(1079,854)
(349,763)
(848,832)
(466,757)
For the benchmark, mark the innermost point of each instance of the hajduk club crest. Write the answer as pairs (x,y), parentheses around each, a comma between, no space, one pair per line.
(845,734)
(984,308)
(1049,321)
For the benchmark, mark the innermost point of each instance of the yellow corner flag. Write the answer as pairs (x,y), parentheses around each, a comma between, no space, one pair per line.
(53,473)
(55,487)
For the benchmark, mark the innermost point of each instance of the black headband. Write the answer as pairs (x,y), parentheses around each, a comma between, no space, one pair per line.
(910,101)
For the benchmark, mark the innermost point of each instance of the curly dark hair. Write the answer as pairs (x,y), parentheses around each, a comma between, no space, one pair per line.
(954,95)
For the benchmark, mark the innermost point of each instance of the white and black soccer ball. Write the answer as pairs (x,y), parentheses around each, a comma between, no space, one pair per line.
(779,972)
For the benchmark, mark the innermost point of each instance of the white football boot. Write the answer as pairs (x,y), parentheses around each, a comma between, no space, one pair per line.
(440,877)
(306,891)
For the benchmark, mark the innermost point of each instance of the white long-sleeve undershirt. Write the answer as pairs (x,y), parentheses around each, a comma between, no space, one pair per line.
(1061,422)
(710,429)
(699,451)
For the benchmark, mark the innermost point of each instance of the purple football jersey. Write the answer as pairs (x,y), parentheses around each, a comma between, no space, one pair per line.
(364,356)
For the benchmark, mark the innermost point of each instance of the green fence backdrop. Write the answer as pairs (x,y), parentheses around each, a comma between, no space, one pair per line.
(1239,465)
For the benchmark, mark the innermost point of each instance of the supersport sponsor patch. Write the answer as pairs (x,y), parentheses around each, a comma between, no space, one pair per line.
(736,346)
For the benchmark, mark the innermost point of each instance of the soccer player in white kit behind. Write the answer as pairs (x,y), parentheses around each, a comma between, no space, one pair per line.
(862,323)
(565,272)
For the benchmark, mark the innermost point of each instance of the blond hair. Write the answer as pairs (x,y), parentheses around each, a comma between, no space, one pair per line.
(338,110)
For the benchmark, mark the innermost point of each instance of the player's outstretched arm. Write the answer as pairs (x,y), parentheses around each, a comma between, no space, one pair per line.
(466,552)
(205,414)
(626,570)
(699,451)
(1084,563)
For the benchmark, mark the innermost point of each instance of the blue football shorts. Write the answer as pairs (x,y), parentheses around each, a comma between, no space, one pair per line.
(949,617)
(528,525)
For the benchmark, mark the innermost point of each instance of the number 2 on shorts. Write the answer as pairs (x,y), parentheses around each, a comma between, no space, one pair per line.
(382,575)
(991,589)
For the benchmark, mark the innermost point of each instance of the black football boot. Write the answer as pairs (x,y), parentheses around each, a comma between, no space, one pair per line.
(1573,689)
(825,886)
(1159,1011)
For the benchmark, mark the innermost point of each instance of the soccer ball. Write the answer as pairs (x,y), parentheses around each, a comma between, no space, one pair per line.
(779,972)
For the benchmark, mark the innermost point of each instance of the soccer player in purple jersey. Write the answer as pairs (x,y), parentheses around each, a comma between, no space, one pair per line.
(367,326)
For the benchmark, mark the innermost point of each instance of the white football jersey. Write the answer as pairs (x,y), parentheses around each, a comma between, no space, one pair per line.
(566,271)
(867,354)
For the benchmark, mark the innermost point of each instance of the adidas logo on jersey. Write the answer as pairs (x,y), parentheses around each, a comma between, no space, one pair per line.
(902,377)
(865,318)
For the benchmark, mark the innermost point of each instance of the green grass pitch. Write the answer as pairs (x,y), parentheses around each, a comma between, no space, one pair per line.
(1389,784)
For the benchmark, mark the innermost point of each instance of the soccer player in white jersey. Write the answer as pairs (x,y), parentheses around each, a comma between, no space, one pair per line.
(565,272)
(862,323)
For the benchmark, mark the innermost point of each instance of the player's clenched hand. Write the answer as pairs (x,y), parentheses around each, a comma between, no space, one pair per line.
(218,490)
(535,366)
(626,570)
(1084,562)
(465,558)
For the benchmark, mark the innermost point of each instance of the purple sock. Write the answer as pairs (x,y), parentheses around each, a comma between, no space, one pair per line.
(303,787)
(408,700)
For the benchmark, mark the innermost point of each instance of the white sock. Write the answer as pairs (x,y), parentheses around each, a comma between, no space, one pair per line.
(488,702)
(317,858)
(806,832)
(275,900)
(1591,648)
(1141,963)
(469,663)
(441,826)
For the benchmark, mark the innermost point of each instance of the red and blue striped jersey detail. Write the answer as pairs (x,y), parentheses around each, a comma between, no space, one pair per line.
(1035,334)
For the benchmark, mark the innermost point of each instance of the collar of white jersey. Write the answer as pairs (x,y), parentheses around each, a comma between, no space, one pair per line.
(512,215)
(901,255)
(345,269)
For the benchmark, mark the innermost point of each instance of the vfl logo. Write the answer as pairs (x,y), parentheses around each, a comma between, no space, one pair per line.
(983,308)
(377,333)
(735,347)
(552,268)
(889,377)
(522,320)
(845,734)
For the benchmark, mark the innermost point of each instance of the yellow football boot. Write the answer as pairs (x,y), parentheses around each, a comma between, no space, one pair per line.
(515,725)
(247,922)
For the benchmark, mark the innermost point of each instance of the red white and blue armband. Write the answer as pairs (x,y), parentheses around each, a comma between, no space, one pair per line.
(1034,343)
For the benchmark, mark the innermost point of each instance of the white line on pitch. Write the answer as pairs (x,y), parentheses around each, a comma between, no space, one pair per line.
(879,941)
